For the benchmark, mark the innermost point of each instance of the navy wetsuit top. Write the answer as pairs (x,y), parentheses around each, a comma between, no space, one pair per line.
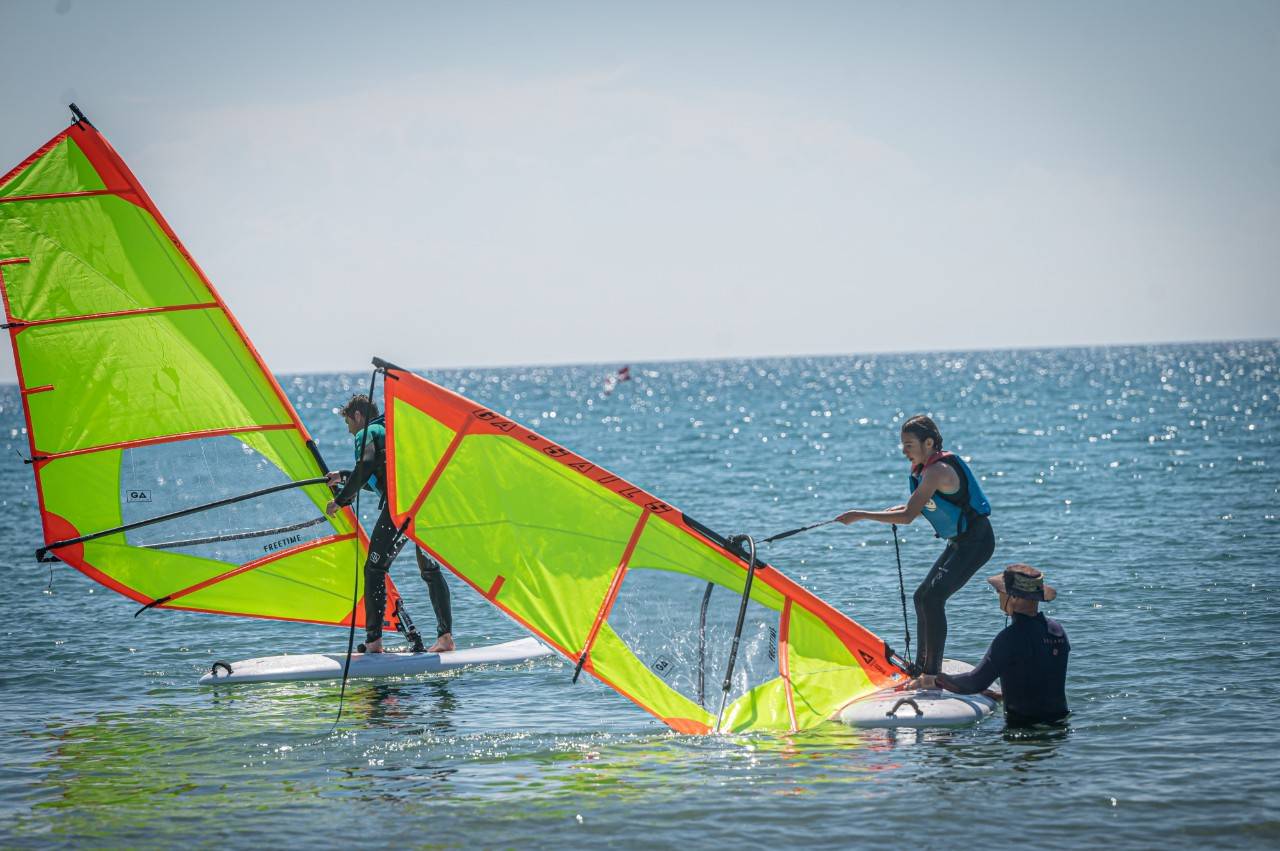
(1030,658)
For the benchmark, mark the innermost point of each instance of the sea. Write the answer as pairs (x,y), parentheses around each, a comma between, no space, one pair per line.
(1139,478)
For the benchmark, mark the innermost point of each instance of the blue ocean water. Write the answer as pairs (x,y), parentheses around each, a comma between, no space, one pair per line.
(1138,478)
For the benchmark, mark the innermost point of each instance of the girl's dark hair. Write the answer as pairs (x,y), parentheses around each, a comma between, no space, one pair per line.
(360,404)
(922,428)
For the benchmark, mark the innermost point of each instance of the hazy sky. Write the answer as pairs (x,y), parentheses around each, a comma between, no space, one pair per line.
(472,183)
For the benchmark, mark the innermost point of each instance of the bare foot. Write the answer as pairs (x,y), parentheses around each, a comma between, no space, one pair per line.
(443,644)
(374,646)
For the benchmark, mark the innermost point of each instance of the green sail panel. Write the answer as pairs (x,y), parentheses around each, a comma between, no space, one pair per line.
(618,581)
(74,272)
(144,399)
(57,168)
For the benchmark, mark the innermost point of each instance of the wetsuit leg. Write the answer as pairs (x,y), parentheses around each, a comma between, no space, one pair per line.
(957,564)
(384,545)
(434,577)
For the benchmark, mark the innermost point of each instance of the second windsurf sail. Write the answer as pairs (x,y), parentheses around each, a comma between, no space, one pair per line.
(620,582)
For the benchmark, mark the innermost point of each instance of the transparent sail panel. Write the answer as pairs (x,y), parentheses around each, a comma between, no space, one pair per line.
(684,635)
(170,477)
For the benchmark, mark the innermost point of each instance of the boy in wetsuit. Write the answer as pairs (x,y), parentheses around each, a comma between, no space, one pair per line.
(946,493)
(1029,655)
(364,422)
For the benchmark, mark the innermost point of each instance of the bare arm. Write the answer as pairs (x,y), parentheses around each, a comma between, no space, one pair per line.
(902,515)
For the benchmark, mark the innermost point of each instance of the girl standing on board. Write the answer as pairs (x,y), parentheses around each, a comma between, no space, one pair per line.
(946,492)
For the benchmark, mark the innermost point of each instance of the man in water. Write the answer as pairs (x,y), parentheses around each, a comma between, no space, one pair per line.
(1029,655)
(946,493)
(364,422)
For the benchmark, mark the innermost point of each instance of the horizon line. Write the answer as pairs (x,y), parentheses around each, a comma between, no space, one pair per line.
(566,364)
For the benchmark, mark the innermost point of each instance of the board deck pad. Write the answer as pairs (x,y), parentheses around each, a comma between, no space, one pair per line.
(328,666)
(890,708)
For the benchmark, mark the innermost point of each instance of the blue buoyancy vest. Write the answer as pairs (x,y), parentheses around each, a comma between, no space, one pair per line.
(375,431)
(949,513)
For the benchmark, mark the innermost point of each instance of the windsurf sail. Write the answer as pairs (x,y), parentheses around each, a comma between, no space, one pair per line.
(619,582)
(169,463)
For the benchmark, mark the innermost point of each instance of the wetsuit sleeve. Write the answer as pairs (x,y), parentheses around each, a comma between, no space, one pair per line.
(358,476)
(981,677)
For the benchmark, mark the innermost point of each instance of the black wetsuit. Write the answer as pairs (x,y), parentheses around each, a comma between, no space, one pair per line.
(1030,658)
(384,545)
(964,554)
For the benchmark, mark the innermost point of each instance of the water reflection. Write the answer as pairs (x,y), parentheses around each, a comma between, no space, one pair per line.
(1033,746)
(390,704)
(125,768)
(371,702)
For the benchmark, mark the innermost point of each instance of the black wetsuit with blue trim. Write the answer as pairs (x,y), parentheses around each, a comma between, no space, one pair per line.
(385,541)
(960,518)
(1029,656)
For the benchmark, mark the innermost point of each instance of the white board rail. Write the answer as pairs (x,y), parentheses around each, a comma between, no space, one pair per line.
(328,666)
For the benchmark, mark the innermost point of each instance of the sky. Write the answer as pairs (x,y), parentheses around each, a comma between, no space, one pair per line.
(482,184)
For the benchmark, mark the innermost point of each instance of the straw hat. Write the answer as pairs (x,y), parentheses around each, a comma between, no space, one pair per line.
(1023,582)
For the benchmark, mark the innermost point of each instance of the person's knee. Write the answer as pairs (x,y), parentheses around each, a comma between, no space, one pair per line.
(375,579)
(921,597)
(428,567)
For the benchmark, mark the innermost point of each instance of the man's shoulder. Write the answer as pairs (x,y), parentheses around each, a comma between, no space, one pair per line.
(1004,640)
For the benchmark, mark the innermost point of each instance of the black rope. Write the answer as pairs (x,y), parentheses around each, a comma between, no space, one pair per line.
(355,581)
(790,532)
(902,589)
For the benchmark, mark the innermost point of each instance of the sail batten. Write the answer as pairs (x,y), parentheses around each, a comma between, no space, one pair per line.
(612,594)
(150,415)
(52,195)
(153,441)
(116,314)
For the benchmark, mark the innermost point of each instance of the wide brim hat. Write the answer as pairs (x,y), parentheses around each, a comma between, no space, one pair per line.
(1023,582)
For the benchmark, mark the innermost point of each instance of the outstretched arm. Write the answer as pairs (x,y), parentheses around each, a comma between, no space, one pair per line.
(981,677)
(901,515)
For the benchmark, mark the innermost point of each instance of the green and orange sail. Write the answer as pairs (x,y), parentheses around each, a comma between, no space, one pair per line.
(618,581)
(144,399)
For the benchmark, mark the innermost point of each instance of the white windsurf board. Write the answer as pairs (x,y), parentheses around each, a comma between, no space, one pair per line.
(328,666)
(919,707)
